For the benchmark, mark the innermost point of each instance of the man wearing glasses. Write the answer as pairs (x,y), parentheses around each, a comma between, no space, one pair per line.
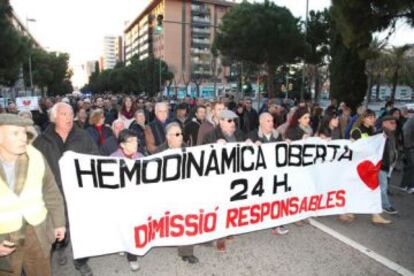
(225,132)
(174,140)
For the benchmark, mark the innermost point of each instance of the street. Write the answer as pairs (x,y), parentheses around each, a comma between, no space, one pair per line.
(306,250)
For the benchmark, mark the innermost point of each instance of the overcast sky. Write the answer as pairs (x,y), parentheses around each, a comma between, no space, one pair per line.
(78,26)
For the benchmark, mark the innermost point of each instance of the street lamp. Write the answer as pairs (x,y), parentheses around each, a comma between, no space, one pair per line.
(30,56)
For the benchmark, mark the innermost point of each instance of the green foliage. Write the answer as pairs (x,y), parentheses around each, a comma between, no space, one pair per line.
(50,72)
(354,23)
(14,47)
(347,71)
(260,33)
(138,76)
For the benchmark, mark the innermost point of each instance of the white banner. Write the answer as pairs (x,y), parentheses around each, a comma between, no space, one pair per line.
(190,196)
(27,103)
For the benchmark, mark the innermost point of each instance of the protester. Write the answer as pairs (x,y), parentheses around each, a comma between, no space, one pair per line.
(181,114)
(127,111)
(99,132)
(138,126)
(248,116)
(211,121)
(61,136)
(81,119)
(155,132)
(364,128)
(27,230)
(192,127)
(389,160)
(329,127)
(299,127)
(111,143)
(128,148)
(225,132)
(408,177)
(174,140)
(267,134)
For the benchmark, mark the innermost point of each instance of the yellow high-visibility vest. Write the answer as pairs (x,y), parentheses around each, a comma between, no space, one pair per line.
(29,205)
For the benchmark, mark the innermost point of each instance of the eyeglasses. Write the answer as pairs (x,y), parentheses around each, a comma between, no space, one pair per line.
(177,134)
(230,120)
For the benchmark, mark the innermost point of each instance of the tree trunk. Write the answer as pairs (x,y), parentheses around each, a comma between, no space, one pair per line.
(317,84)
(394,83)
(270,80)
(377,88)
(369,90)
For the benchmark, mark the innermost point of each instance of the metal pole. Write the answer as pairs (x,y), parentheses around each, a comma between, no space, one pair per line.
(160,73)
(30,57)
(30,75)
(302,91)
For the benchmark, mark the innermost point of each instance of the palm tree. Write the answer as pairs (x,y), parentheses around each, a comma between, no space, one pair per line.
(375,66)
(398,64)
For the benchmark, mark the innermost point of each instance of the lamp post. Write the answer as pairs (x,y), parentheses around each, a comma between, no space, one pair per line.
(30,56)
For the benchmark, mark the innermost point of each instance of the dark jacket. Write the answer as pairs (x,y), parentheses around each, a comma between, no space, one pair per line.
(257,135)
(191,132)
(154,135)
(217,134)
(295,133)
(52,146)
(94,134)
(140,132)
(249,120)
(164,146)
(390,155)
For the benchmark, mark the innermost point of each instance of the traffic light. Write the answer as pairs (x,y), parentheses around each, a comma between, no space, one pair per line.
(160,18)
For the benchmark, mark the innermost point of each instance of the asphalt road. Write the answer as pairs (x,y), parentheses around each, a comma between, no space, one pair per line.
(306,250)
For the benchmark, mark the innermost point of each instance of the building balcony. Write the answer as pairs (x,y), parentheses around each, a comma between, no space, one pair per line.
(201,31)
(203,42)
(197,20)
(200,9)
(197,61)
(200,51)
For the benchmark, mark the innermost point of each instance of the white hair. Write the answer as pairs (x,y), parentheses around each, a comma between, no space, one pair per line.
(159,105)
(171,125)
(264,114)
(54,110)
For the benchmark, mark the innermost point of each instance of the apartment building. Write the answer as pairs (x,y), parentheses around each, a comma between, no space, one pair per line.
(185,41)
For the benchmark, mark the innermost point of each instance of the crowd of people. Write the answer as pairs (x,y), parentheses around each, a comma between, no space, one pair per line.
(134,127)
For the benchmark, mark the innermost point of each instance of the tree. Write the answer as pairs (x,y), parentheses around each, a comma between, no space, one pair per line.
(317,42)
(14,47)
(140,75)
(261,33)
(398,64)
(50,71)
(355,21)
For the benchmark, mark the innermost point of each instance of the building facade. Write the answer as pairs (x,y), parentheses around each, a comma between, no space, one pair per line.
(112,52)
(185,41)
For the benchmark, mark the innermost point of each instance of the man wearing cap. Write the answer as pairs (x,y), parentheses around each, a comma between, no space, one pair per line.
(225,132)
(389,159)
(31,206)
(61,136)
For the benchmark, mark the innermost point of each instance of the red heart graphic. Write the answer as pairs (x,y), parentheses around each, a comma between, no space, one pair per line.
(26,102)
(368,172)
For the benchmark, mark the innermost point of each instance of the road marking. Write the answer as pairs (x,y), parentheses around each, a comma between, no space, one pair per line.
(370,253)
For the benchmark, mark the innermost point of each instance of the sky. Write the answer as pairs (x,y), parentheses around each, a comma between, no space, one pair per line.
(77,27)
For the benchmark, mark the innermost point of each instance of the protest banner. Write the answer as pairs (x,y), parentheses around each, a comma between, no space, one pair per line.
(27,103)
(193,195)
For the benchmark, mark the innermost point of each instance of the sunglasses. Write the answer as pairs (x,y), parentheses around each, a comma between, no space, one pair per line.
(177,134)
(230,120)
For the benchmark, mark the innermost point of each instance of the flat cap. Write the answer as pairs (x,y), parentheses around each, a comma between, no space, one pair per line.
(14,120)
(228,114)
(388,118)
